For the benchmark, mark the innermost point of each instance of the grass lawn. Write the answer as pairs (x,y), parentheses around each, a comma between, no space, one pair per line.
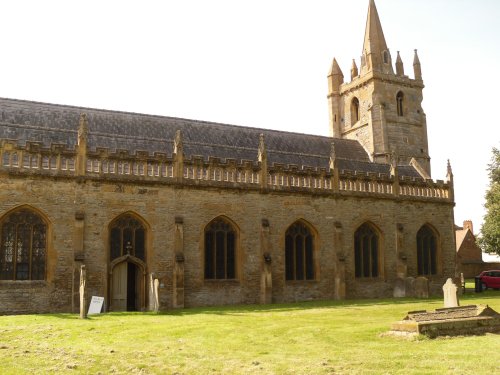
(331,337)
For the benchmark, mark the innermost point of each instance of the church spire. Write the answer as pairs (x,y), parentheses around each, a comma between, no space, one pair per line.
(376,56)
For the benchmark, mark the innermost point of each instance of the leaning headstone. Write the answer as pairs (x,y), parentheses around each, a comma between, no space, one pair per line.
(410,286)
(96,304)
(421,287)
(450,294)
(152,299)
(399,288)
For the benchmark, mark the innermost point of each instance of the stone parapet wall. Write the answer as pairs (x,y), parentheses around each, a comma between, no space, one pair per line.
(59,162)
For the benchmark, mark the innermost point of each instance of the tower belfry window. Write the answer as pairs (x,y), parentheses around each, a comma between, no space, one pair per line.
(354,110)
(386,57)
(399,103)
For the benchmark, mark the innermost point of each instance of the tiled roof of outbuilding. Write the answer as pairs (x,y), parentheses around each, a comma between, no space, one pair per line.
(47,124)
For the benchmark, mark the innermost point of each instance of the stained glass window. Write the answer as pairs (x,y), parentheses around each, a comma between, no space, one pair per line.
(23,246)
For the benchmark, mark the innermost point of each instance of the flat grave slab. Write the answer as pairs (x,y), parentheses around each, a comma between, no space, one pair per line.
(452,321)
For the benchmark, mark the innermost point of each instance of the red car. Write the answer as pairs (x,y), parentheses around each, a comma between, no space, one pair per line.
(490,279)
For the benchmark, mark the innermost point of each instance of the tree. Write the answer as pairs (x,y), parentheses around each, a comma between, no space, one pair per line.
(490,231)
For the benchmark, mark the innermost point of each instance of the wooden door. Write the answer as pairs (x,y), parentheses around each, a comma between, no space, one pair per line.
(119,287)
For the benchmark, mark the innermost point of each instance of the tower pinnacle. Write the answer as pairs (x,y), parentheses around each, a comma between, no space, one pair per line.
(399,66)
(417,69)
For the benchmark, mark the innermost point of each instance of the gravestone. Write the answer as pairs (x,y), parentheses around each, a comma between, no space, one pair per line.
(399,288)
(410,286)
(156,295)
(95,306)
(421,287)
(154,284)
(450,294)
(83,299)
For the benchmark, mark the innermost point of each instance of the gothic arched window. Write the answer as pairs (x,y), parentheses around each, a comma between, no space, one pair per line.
(299,252)
(23,246)
(426,251)
(220,250)
(127,236)
(354,110)
(366,252)
(399,103)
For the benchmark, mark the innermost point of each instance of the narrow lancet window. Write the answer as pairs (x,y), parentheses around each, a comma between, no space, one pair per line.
(354,110)
(399,103)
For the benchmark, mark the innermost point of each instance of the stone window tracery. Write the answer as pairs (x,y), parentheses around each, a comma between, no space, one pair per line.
(127,236)
(366,252)
(426,251)
(220,250)
(23,246)
(299,253)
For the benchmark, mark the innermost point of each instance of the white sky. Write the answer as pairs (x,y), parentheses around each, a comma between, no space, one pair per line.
(261,63)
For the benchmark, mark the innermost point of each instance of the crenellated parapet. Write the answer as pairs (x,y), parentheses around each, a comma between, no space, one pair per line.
(142,167)
(33,157)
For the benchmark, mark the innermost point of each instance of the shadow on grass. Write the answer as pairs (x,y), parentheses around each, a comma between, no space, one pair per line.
(284,307)
(243,309)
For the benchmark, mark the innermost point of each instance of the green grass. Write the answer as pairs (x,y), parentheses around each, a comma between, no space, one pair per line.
(341,337)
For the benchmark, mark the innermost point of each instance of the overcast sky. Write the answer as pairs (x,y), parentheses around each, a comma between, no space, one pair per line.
(262,63)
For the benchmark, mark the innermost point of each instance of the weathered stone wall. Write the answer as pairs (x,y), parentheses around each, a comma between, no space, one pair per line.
(58,199)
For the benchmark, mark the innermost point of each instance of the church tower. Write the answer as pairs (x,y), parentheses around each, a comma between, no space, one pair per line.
(381,106)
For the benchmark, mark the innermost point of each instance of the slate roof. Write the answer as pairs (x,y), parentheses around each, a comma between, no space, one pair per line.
(47,124)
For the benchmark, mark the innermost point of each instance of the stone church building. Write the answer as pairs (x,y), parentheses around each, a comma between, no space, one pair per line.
(223,214)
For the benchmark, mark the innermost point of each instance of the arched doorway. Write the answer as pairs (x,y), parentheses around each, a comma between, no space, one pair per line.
(127,284)
(127,254)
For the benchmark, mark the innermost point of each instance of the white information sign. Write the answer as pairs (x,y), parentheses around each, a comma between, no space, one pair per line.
(95,306)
